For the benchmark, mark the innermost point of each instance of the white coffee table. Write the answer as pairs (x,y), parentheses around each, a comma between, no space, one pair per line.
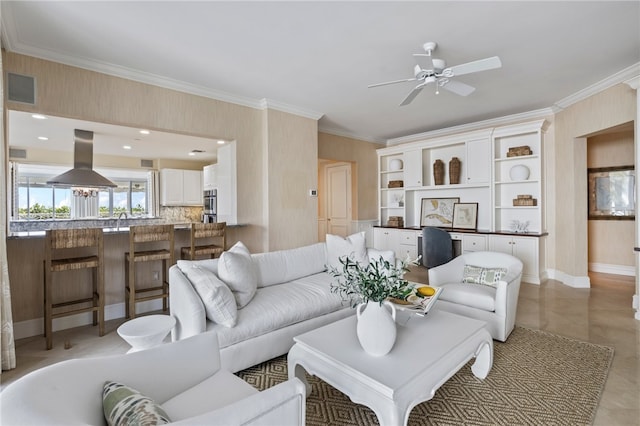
(147,331)
(428,351)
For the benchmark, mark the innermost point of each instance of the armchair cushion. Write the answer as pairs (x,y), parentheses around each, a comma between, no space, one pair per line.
(479,275)
(475,296)
(237,270)
(125,406)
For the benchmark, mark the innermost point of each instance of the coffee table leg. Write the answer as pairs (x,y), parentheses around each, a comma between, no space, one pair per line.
(484,360)
(296,370)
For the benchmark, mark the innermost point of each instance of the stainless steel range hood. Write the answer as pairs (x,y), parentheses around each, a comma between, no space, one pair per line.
(82,174)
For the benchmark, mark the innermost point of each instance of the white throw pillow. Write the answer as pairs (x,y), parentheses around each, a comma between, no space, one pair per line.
(237,270)
(354,246)
(218,300)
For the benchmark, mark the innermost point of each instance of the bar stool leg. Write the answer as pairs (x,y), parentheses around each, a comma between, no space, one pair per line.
(94,302)
(48,308)
(165,287)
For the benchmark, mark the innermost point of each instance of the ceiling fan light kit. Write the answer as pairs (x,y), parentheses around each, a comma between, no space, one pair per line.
(441,76)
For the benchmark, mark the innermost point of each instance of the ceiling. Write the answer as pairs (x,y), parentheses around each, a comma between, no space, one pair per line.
(317,58)
(24,132)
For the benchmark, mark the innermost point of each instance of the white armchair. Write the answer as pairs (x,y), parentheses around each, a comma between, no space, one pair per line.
(183,377)
(495,305)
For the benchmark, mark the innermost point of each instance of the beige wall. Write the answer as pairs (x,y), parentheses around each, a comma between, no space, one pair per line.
(292,156)
(611,242)
(363,155)
(567,242)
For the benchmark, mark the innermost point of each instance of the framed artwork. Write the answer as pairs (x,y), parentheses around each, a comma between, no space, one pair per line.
(465,215)
(437,212)
(612,193)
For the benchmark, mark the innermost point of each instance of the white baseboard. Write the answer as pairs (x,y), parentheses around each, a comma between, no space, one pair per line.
(613,269)
(35,327)
(570,280)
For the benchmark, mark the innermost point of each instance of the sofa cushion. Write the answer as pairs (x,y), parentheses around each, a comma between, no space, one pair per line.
(476,296)
(123,405)
(277,306)
(237,270)
(278,267)
(479,275)
(219,302)
(354,245)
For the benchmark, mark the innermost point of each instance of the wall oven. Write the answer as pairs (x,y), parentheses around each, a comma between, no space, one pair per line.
(210,212)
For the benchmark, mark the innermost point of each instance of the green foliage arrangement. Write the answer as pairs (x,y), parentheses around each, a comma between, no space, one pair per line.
(374,282)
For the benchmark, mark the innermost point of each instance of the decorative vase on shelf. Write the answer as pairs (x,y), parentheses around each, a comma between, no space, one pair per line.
(438,172)
(395,165)
(376,328)
(454,170)
(519,172)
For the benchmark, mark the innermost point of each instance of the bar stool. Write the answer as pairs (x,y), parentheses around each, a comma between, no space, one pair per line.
(215,232)
(143,247)
(72,250)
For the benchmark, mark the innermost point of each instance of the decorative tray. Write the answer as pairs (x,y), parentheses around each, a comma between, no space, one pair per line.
(420,300)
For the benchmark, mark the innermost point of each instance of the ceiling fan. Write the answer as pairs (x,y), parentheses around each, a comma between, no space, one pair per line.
(441,76)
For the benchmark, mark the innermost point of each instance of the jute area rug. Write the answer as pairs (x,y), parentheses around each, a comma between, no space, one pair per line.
(537,378)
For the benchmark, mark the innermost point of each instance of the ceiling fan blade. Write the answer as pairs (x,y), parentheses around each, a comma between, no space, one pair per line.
(475,66)
(391,82)
(412,95)
(458,88)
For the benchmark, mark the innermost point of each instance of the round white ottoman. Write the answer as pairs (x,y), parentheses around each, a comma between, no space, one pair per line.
(146,332)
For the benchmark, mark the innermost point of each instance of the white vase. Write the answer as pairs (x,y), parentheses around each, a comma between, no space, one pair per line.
(519,172)
(395,165)
(376,327)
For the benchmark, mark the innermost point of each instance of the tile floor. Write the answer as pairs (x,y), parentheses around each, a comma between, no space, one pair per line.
(601,315)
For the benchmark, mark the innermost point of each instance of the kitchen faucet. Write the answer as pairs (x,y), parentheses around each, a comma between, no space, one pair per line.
(118,221)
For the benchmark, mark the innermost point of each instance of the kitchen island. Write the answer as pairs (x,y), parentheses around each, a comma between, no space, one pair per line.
(25,255)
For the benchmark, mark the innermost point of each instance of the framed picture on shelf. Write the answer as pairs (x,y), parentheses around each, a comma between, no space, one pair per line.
(612,193)
(465,215)
(437,211)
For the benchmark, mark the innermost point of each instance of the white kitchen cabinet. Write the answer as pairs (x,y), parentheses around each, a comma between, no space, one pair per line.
(227,184)
(524,248)
(181,187)
(210,180)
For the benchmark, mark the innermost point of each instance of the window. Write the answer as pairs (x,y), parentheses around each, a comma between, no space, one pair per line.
(34,199)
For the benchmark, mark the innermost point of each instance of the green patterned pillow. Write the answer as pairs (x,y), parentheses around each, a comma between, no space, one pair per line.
(123,405)
(479,275)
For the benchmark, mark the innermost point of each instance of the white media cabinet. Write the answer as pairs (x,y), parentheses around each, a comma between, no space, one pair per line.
(485,179)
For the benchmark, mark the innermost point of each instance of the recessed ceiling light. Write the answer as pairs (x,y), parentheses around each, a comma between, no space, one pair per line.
(126,146)
(39,116)
(220,142)
(144,132)
(192,153)
(43,138)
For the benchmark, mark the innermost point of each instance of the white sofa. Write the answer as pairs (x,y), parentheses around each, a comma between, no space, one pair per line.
(293,296)
(183,377)
(497,305)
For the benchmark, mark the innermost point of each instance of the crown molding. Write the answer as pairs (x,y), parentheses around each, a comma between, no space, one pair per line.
(634,82)
(290,109)
(344,134)
(478,125)
(617,78)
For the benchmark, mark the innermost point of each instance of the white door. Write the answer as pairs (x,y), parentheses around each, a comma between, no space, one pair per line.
(338,184)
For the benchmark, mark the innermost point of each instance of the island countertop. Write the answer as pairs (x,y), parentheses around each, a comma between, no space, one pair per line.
(110,226)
